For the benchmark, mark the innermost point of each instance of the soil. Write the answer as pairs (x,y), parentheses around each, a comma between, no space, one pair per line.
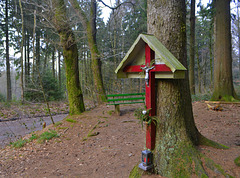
(114,144)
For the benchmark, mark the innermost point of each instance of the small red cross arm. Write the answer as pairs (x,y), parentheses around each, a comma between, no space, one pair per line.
(157,68)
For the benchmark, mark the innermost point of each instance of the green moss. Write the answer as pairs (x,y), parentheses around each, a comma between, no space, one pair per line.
(187,162)
(217,97)
(204,176)
(136,172)
(186,157)
(229,98)
(237,161)
(57,124)
(19,143)
(62,128)
(204,141)
(214,167)
(33,137)
(71,120)
(70,53)
(47,136)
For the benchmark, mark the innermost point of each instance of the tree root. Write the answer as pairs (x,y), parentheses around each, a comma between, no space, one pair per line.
(186,161)
(205,141)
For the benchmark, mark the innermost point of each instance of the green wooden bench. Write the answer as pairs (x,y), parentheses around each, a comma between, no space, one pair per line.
(130,98)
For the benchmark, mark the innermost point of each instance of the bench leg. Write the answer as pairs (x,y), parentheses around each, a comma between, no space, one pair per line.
(117,109)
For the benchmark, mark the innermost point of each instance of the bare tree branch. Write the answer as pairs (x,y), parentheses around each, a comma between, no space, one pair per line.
(119,5)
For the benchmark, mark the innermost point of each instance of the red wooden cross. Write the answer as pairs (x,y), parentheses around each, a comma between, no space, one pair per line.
(150,90)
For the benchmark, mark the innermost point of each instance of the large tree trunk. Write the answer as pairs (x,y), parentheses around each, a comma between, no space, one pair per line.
(53,62)
(176,132)
(9,88)
(46,56)
(33,44)
(223,82)
(37,56)
(199,70)
(70,53)
(23,36)
(175,154)
(90,28)
(211,55)
(238,35)
(192,48)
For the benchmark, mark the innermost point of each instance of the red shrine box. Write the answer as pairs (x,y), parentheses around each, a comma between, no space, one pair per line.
(166,65)
(148,58)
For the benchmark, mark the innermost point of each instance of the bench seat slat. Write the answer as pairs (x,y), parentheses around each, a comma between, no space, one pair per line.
(126,99)
(125,94)
(126,103)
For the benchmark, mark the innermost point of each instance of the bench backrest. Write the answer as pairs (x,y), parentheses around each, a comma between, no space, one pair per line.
(115,98)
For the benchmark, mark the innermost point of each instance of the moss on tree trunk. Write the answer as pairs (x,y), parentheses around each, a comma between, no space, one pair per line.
(192,48)
(89,26)
(70,53)
(96,66)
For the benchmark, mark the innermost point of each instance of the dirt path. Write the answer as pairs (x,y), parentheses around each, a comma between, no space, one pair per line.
(116,146)
(12,130)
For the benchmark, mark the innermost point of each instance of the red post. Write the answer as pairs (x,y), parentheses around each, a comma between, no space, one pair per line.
(150,99)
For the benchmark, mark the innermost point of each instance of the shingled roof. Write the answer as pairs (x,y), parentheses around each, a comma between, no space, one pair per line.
(136,56)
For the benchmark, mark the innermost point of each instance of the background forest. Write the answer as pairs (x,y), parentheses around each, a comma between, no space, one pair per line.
(31,52)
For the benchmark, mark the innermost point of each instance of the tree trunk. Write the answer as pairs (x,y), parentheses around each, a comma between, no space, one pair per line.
(199,71)
(59,70)
(53,62)
(9,88)
(37,56)
(176,124)
(95,55)
(90,28)
(175,154)
(25,57)
(70,53)
(223,82)
(21,75)
(192,48)
(33,41)
(204,58)
(46,56)
(238,33)
(28,56)
(211,57)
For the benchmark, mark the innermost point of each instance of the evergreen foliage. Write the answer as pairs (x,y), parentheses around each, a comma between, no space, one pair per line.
(51,88)
(114,38)
(2,98)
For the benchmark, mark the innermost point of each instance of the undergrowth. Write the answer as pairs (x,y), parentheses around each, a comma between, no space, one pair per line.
(19,143)
(2,98)
(47,136)
(71,120)
(40,138)
(201,97)
(237,161)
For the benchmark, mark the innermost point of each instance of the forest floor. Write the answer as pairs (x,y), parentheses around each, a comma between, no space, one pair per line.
(102,144)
